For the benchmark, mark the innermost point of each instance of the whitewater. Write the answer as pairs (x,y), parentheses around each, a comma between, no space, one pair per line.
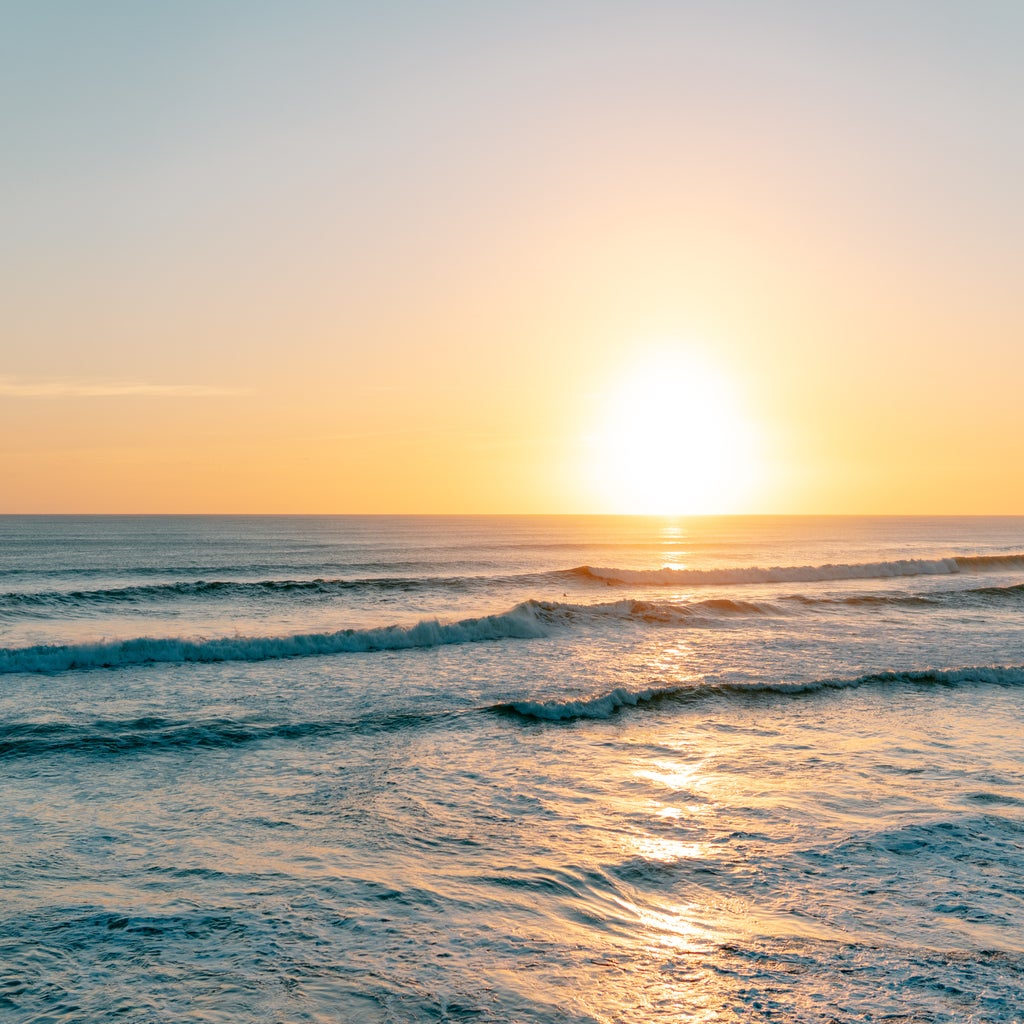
(546,769)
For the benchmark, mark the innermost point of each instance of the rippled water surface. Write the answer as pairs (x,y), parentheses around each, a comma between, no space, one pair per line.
(552,770)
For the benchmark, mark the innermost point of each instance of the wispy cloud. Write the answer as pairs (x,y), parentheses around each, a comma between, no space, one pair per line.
(14,387)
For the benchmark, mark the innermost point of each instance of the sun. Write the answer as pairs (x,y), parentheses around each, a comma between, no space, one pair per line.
(671,438)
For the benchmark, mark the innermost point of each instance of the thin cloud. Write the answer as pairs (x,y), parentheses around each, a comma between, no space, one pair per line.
(15,388)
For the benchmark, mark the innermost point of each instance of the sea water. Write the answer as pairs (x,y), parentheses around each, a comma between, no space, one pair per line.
(511,769)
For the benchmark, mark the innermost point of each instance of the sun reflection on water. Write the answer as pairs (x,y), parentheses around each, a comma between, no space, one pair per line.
(673,538)
(667,851)
(672,775)
(676,928)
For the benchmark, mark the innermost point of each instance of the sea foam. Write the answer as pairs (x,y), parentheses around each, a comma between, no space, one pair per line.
(519,623)
(528,620)
(803,573)
(603,706)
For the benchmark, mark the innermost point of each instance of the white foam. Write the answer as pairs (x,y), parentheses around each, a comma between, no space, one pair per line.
(606,705)
(519,623)
(807,573)
(603,706)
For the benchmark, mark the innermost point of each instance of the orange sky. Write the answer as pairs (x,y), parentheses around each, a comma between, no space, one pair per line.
(315,259)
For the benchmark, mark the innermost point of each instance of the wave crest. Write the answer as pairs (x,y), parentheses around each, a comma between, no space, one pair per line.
(603,706)
(668,577)
(108,738)
(529,620)
(520,623)
(606,705)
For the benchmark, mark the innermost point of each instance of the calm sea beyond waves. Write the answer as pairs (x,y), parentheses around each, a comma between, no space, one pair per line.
(596,769)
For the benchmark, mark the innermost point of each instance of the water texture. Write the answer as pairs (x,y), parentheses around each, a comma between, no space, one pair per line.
(532,769)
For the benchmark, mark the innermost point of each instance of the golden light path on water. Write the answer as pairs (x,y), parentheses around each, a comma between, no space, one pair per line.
(703,803)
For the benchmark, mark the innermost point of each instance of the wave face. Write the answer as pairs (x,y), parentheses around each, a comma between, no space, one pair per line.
(804,573)
(70,601)
(215,589)
(972,597)
(233,591)
(529,620)
(521,623)
(153,735)
(607,705)
(105,738)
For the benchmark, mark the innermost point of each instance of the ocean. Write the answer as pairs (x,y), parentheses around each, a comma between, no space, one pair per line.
(528,769)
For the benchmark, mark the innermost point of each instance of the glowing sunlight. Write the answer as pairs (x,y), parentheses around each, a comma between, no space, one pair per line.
(672,438)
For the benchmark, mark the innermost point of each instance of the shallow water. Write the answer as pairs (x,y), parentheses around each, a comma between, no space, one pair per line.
(337,769)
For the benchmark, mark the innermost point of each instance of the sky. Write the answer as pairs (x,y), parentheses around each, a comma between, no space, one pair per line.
(443,257)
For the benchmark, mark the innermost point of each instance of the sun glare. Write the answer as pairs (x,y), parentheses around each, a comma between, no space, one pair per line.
(672,439)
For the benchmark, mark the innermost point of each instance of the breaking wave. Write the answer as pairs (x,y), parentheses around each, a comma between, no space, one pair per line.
(973,597)
(105,738)
(527,621)
(803,573)
(47,603)
(521,623)
(603,706)
(606,705)
(531,619)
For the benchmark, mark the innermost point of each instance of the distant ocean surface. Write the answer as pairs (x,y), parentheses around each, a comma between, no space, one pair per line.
(346,769)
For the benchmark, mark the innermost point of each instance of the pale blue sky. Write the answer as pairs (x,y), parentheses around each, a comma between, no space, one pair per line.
(291,202)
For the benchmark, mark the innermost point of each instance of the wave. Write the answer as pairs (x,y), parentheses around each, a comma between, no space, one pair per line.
(232,589)
(529,620)
(668,577)
(604,706)
(520,623)
(557,613)
(221,569)
(153,734)
(973,597)
(61,601)
(46,602)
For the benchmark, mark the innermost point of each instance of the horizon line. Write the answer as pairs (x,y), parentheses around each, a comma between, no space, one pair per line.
(536,515)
